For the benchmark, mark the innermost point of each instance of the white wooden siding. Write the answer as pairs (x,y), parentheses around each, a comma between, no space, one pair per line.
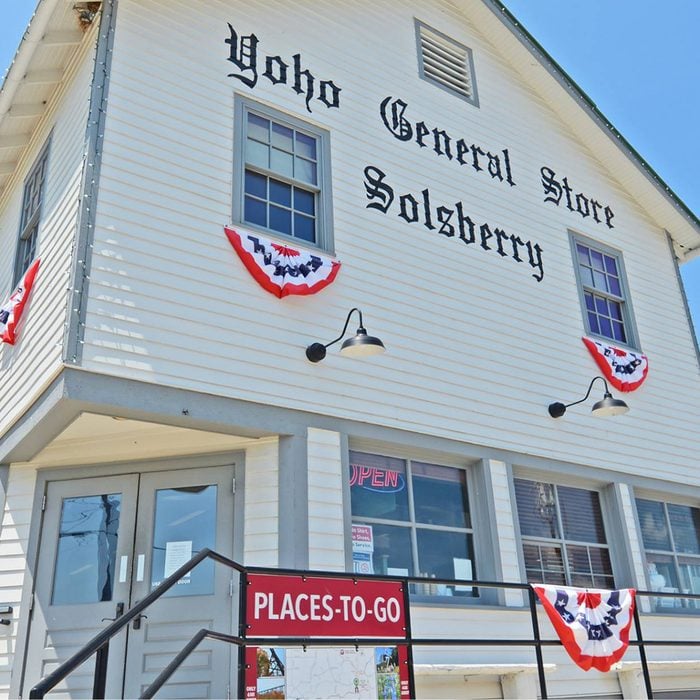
(261,543)
(30,365)
(14,536)
(326,524)
(170,302)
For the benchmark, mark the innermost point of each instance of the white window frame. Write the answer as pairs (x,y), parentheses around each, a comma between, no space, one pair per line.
(30,220)
(632,337)
(322,191)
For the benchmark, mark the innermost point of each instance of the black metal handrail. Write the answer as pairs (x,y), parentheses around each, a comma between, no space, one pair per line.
(100,640)
(99,643)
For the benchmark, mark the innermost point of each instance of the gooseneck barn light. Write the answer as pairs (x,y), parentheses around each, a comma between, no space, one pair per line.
(360,345)
(607,406)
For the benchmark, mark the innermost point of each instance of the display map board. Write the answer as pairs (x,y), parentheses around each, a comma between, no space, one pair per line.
(338,672)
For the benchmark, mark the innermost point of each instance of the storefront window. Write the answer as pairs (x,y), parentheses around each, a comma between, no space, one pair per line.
(671,536)
(563,535)
(411,519)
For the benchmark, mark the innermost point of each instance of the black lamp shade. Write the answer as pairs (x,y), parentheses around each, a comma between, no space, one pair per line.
(608,406)
(362,345)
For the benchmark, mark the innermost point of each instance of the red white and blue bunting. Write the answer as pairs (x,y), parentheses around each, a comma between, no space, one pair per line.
(592,624)
(624,369)
(281,269)
(11,310)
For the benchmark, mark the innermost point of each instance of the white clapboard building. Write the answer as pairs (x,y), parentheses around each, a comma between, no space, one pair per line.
(211,187)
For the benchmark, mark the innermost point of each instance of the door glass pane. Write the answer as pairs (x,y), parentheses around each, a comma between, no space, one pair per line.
(185,523)
(87,549)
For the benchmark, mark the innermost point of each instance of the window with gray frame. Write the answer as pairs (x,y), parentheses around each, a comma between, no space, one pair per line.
(446,63)
(411,518)
(603,290)
(671,537)
(282,175)
(31,215)
(563,535)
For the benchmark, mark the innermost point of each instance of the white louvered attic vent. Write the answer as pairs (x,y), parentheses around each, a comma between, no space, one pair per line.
(446,63)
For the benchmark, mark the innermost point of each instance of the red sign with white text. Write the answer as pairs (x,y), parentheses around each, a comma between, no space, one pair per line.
(309,606)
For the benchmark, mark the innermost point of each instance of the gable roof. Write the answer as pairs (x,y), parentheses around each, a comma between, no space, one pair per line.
(56,31)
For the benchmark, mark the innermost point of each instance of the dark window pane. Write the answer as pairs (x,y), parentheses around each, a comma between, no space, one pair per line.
(536,508)
(544,564)
(611,266)
(581,515)
(588,564)
(619,332)
(304,228)
(605,327)
(615,310)
(593,323)
(445,555)
(280,193)
(392,550)
(255,184)
(184,524)
(652,520)
(281,220)
(601,306)
(587,276)
(87,549)
(685,526)
(583,257)
(440,495)
(615,286)
(255,212)
(304,201)
(378,487)
(590,304)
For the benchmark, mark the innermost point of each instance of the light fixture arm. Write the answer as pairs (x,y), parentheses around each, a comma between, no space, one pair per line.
(361,329)
(557,409)
(317,351)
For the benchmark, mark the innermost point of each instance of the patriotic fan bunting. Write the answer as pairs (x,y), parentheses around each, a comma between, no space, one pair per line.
(592,624)
(624,369)
(280,269)
(12,309)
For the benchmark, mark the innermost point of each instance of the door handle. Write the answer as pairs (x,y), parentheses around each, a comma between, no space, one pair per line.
(119,612)
(137,621)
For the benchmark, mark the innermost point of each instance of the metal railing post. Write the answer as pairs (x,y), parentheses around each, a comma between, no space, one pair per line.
(642,653)
(538,641)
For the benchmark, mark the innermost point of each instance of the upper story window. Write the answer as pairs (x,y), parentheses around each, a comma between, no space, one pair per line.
(282,175)
(603,290)
(31,215)
(671,537)
(563,535)
(414,520)
(446,63)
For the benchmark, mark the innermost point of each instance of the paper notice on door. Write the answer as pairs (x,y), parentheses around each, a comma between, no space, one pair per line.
(177,554)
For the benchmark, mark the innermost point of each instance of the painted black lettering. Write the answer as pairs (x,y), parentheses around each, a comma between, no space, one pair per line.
(412,215)
(466,237)
(243,55)
(443,216)
(377,189)
(395,121)
(552,188)
(308,89)
(275,76)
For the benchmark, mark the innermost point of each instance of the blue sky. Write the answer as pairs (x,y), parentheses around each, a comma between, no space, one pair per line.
(636,59)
